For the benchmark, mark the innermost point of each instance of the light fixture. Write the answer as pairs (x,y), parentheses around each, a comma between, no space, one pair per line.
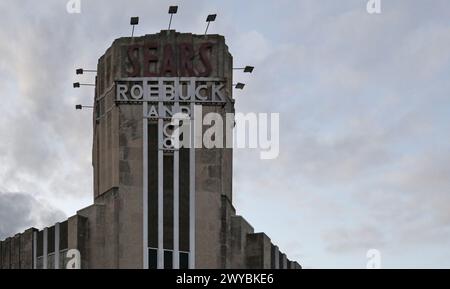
(79,106)
(239,85)
(247,69)
(172,10)
(77,84)
(209,19)
(81,70)
(133,22)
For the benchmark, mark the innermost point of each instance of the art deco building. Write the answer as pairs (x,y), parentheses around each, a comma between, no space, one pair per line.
(155,206)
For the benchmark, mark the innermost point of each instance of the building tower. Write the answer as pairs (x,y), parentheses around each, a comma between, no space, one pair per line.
(180,191)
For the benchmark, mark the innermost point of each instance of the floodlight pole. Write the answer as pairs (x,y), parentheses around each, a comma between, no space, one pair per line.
(210,18)
(207,26)
(133,21)
(80,107)
(170,21)
(82,71)
(246,69)
(172,10)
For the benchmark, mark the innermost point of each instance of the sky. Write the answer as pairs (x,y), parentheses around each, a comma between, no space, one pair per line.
(364,104)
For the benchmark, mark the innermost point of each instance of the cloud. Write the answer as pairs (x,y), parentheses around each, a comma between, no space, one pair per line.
(46,144)
(20,211)
(364,122)
(344,240)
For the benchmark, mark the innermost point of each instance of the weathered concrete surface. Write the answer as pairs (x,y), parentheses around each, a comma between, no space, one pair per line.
(258,251)
(275,257)
(283,261)
(6,253)
(240,228)
(26,249)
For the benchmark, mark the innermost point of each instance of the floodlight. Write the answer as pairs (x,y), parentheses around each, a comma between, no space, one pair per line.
(172,10)
(78,85)
(209,19)
(82,71)
(248,69)
(134,21)
(80,106)
(239,85)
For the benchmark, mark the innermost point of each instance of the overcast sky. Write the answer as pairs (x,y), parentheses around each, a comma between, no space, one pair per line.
(364,103)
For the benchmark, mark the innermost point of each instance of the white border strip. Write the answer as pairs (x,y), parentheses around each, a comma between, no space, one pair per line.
(192,192)
(160,189)
(35,249)
(45,251)
(57,246)
(145,186)
(176,206)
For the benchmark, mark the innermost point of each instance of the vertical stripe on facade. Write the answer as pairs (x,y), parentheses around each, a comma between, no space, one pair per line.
(152,185)
(45,250)
(184,199)
(168,202)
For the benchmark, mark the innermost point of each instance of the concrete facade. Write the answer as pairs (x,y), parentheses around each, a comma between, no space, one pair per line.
(109,233)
